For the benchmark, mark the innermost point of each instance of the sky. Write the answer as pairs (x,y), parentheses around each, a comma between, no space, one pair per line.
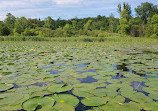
(65,9)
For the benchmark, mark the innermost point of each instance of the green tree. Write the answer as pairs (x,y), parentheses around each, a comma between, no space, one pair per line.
(4,30)
(88,25)
(49,23)
(124,27)
(68,30)
(58,32)
(111,23)
(18,29)
(146,10)
(10,20)
(152,27)
(126,7)
(20,25)
(134,24)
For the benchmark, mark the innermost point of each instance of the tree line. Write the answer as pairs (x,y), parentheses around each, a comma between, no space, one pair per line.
(145,23)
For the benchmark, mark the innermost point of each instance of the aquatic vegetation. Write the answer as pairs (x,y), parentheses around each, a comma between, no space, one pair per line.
(71,76)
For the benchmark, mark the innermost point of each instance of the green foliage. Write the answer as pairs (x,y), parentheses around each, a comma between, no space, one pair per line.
(49,23)
(18,28)
(4,30)
(152,27)
(134,27)
(58,32)
(30,32)
(24,38)
(10,20)
(146,10)
(101,35)
(88,25)
(127,8)
(154,36)
(124,23)
(68,30)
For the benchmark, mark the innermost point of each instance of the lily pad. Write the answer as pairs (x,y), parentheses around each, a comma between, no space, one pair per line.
(117,100)
(33,103)
(99,92)
(4,87)
(65,98)
(94,101)
(11,98)
(152,106)
(59,88)
(7,108)
(46,108)
(63,107)
(137,97)
(81,93)
(121,107)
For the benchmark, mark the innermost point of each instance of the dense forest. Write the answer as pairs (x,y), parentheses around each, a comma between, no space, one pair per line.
(145,23)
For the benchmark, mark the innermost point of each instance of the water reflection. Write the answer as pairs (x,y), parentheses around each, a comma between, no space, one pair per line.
(88,79)
(54,71)
(90,70)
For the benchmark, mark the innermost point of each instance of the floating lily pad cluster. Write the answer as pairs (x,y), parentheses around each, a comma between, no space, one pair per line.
(49,76)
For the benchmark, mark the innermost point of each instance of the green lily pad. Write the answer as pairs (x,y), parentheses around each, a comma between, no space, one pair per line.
(121,107)
(152,84)
(137,97)
(46,108)
(99,92)
(154,95)
(94,101)
(85,86)
(132,106)
(152,106)
(11,98)
(31,104)
(112,107)
(117,100)
(63,107)
(65,98)
(81,93)
(7,108)
(59,88)
(4,87)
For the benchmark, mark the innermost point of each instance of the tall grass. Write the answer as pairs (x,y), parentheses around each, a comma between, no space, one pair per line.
(5,38)
(81,39)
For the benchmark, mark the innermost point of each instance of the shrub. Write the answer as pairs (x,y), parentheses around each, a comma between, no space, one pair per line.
(101,35)
(101,39)
(154,36)
(88,39)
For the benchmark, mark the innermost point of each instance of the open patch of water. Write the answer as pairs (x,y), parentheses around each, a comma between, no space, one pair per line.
(88,79)
(46,67)
(127,100)
(90,70)
(137,86)
(119,76)
(54,71)
(123,67)
(82,65)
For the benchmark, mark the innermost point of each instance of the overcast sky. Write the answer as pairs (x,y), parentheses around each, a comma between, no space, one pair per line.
(65,9)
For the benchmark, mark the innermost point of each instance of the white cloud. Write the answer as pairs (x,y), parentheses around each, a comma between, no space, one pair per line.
(2,18)
(62,2)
